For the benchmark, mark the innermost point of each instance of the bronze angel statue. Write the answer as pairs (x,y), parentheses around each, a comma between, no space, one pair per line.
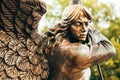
(64,52)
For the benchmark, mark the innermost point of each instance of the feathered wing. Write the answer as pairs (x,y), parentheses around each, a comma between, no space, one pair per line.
(21,57)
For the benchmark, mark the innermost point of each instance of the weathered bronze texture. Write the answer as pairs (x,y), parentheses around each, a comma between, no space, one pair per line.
(21,57)
(64,52)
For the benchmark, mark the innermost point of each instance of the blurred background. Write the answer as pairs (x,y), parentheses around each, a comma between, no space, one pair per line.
(106,18)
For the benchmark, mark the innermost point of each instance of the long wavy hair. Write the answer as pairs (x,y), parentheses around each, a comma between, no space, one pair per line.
(61,30)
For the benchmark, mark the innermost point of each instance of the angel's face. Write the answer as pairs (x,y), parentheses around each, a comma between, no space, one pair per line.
(79,28)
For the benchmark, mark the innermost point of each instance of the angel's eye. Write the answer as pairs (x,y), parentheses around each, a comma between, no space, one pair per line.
(78,23)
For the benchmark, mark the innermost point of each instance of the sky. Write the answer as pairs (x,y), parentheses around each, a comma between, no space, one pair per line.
(115,3)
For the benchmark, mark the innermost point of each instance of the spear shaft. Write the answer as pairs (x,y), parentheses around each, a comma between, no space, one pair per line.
(100,72)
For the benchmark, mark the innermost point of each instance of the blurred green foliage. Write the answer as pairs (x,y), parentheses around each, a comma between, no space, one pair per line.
(102,15)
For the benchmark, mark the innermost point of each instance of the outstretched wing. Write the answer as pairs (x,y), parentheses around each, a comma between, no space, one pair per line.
(21,56)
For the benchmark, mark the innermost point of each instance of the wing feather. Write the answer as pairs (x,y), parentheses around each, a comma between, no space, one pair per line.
(34,59)
(31,45)
(3,66)
(13,45)
(4,37)
(10,57)
(23,51)
(3,76)
(12,72)
(23,64)
(36,70)
(26,75)
(21,55)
